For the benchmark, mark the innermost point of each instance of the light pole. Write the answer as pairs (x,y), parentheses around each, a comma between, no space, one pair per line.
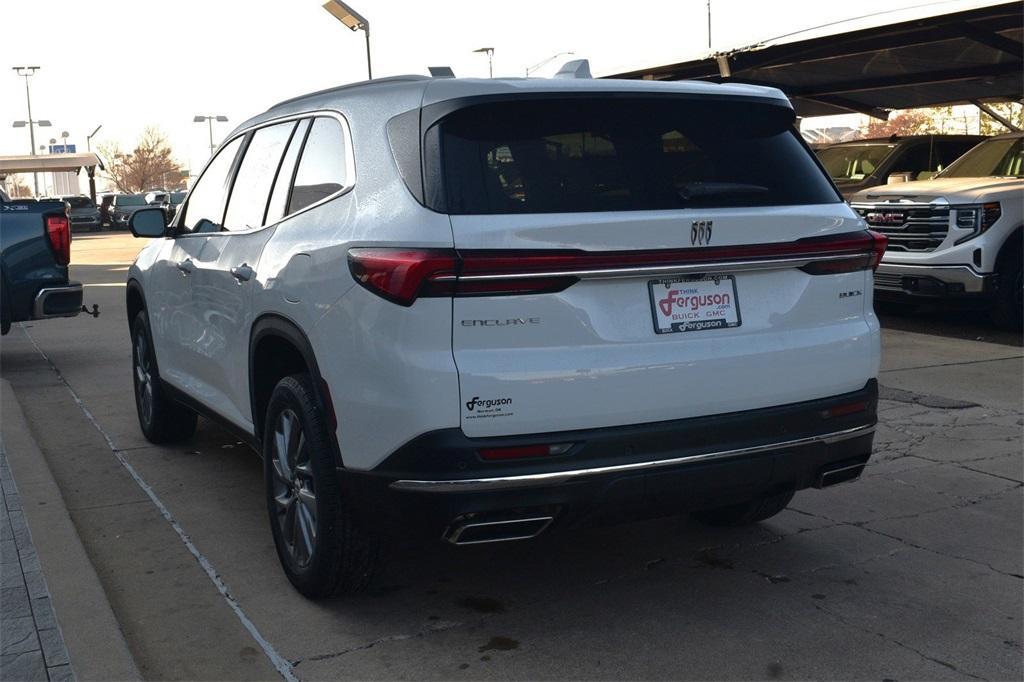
(88,138)
(490,59)
(209,120)
(26,72)
(531,69)
(354,21)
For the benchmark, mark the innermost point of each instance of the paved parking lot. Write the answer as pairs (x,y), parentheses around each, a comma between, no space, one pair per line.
(914,572)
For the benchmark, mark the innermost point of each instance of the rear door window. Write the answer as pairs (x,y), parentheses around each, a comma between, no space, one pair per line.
(251,191)
(283,183)
(323,168)
(623,154)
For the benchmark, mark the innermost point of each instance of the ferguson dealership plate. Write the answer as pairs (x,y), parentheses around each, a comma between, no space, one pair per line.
(689,304)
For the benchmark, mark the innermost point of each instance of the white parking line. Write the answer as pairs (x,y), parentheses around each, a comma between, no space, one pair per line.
(279,662)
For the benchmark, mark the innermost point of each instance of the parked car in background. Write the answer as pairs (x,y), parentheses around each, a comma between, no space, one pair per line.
(122,206)
(83,212)
(542,328)
(957,236)
(868,163)
(106,200)
(35,250)
(175,201)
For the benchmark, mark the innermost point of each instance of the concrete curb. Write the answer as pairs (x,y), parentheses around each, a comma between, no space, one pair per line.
(92,634)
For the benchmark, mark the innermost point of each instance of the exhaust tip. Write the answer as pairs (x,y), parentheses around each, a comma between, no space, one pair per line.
(469,532)
(840,474)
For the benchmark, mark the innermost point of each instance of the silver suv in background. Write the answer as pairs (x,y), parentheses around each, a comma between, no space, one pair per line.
(957,237)
(861,164)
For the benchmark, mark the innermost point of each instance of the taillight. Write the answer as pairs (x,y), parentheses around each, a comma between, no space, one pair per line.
(881,242)
(403,275)
(846,253)
(58,229)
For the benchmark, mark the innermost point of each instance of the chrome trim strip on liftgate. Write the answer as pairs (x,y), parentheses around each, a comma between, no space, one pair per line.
(557,477)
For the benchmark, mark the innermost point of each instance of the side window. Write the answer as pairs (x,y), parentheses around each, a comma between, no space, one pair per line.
(322,169)
(914,160)
(251,190)
(283,183)
(949,151)
(205,208)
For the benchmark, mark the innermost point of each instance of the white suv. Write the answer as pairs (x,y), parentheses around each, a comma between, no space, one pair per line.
(956,237)
(479,309)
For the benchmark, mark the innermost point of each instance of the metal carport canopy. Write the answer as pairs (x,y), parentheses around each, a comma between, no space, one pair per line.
(53,163)
(48,163)
(961,57)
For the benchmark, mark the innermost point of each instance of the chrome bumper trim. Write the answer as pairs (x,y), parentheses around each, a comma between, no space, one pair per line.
(558,477)
(39,305)
(973,282)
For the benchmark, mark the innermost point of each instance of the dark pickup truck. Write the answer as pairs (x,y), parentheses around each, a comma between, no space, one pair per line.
(35,250)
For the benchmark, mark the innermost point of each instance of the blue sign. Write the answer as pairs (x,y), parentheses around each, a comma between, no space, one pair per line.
(62,149)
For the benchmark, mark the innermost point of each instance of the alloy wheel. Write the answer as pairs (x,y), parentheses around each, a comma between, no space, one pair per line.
(143,377)
(293,488)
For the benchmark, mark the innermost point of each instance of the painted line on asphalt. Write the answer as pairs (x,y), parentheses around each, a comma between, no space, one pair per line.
(279,662)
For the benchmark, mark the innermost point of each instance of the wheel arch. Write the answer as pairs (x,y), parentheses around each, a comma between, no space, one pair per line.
(277,348)
(1013,241)
(135,300)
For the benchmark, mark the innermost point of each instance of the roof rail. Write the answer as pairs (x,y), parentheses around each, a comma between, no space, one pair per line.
(577,68)
(360,84)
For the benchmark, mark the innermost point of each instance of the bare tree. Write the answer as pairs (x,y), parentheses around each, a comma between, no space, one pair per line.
(18,188)
(151,164)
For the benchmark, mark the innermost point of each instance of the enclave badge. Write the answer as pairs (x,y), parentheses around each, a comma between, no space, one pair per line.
(700,232)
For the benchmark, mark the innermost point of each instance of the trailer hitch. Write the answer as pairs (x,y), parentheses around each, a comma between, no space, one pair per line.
(95,312)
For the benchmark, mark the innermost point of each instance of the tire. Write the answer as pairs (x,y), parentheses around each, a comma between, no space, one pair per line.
(1007,310)
(161,419)
(5,311)
(746,513)
(322,549)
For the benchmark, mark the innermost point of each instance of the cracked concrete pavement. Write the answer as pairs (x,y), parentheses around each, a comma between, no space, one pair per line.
(913,572)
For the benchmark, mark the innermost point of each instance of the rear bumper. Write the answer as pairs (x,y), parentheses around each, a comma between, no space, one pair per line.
(438,481)
(64,301)
(931,281)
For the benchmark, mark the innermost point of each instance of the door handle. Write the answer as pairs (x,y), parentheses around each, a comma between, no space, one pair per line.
(243,273)
(185,266)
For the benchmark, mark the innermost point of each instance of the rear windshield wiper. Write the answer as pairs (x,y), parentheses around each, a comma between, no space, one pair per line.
(697,190)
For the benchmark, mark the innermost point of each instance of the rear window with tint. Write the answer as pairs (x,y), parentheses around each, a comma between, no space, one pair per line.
(624,154)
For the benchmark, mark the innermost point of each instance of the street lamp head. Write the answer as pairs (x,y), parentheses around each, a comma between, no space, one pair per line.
(199,119)
(222,119)
(20,124)
(346,15)
(488,50)
(43,124)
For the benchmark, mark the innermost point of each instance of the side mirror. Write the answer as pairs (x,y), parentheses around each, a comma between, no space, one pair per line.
(148,222)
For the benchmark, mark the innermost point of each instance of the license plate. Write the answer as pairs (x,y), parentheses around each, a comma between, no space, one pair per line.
(688,304)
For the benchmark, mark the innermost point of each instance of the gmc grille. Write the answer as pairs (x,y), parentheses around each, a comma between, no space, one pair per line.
(909,227)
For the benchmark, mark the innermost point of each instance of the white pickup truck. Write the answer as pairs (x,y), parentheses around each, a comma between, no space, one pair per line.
(956,236)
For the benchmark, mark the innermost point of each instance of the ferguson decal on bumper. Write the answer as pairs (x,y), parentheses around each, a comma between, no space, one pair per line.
(488,408)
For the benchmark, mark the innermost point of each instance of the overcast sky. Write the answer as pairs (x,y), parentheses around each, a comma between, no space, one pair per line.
(127,64)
